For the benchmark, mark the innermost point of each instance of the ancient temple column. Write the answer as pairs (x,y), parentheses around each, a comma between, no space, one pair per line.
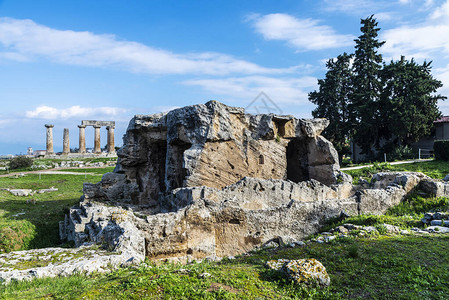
(111,146)
(82,143)
(49,139)
(66,142)
(97,146)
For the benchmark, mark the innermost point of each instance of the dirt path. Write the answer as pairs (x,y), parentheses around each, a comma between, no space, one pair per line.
(55,171)
(391,163)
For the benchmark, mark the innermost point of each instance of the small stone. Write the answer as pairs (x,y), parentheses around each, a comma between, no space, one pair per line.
(204,275)
(306,271)
(300,243)
(446,178)
(438,216)
(439,223)
(428,216)
(391,228)
(326,233)
(330,238)
(405,232)
(271,245)
(276,264)
(341,229)
(350,226)
(21,192)
(438,229)
(370,229)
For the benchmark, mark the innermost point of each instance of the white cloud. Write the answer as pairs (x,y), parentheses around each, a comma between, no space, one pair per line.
(404,1)
(424,40)
(52,113)
(282,90)
(442,74)
(303,34)
(419,41)
(27,40)
(441,12)
(5,122)
(13,56)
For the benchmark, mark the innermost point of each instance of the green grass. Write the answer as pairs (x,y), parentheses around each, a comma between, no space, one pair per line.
(375,267)
(385,267)
(28,225)
(92,170)
(435,169)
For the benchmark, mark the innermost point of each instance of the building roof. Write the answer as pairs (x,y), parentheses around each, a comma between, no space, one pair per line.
(444,119)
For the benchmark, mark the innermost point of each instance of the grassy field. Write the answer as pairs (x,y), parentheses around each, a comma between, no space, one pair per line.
(380,267)
(434,169)
(373,267)
(32,222)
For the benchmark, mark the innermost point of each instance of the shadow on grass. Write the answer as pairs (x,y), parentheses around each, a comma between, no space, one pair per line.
(33,225)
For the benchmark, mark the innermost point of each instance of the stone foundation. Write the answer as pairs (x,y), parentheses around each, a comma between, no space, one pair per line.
(211,181)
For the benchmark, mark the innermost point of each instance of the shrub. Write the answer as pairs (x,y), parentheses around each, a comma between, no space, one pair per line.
(20,162)
(401,152)
(441,150)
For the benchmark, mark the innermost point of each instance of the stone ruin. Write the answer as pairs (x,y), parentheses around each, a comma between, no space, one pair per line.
(110,126)
(208,181)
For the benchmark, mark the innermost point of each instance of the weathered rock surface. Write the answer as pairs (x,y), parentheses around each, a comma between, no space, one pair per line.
(435,187)
(52,262)
(29,192)
(408,180)
(21,192)
(302,271)
(215,145)
(186,181)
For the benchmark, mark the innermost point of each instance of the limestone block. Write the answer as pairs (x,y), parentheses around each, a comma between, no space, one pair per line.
(377,201)
(21,192)
(435,188)
(302,271)
(408,180)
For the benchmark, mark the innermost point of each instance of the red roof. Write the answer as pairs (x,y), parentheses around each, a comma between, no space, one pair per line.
(444,119)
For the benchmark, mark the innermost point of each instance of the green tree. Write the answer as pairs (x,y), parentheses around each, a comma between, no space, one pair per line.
(408,105)
(372,102)
(365,115)
(332,100)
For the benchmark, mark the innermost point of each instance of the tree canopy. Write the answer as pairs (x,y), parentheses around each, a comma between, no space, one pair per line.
(333,99)
(373,103)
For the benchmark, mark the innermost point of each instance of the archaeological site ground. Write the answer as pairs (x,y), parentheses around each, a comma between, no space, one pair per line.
(204,201)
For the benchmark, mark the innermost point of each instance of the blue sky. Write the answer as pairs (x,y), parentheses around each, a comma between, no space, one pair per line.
(65,61)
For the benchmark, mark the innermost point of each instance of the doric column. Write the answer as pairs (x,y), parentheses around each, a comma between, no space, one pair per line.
(66,142)
(97,146)
(111,146)
(49,139)
(82,143)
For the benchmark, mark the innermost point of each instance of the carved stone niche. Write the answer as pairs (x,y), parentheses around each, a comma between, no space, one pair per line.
(215,145)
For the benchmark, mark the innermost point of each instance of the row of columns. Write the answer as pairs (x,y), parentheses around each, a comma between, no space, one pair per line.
(82,139)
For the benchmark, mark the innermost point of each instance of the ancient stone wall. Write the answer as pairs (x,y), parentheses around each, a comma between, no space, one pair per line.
(216,145)
(211,181)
